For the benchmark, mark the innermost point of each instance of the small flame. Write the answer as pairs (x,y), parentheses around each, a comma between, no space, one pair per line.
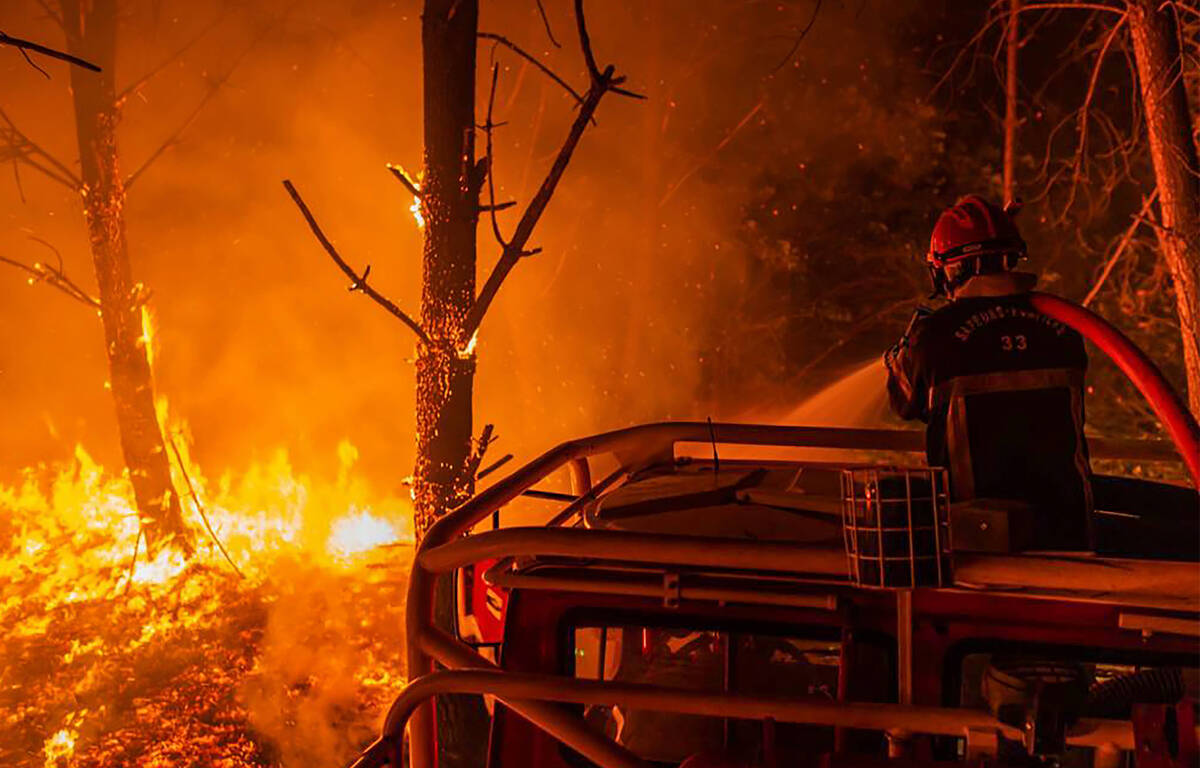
(146,341)
(59,747)
(415,209)
(469,350)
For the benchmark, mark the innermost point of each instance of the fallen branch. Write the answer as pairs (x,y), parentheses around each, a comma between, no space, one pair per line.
(26,45)
(200,507)
(357,282)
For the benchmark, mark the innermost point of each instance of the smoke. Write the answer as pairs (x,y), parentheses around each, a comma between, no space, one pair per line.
(262,347)
(321,678)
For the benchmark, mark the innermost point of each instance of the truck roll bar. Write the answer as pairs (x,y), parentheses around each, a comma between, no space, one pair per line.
(895,719)
(635,448)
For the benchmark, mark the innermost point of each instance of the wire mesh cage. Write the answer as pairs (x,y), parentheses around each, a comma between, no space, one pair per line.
(894,521)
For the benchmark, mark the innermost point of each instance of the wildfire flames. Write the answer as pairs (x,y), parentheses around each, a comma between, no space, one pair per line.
(281,654)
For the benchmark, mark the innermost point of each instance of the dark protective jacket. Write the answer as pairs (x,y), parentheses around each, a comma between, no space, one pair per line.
(1000,387)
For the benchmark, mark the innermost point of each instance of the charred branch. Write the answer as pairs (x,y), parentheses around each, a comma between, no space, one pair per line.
(54,276)
(602,82)
(485,440)
(403,177)
(546,22)
(15,146)
(489,469)
(502,40)
(26,45)
(200,507)
(488,129)
(357,282)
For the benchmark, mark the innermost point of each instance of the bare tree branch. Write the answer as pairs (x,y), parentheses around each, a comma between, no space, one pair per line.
(125,92)
(1085,108)
(1120,249)
(546,21)
(502,40)
(54,276)
(26,45)
(720,145)
(481,445)
(799,39)
(491,160)
(1003,16)
(602,82)
(15,145)
(214,86)
(53,14)
(357,282)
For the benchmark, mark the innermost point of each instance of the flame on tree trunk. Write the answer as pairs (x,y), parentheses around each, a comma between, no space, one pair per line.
(1164,97)
(92,33)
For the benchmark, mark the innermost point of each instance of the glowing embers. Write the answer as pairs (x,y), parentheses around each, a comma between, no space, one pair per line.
(153,661)
(60,747)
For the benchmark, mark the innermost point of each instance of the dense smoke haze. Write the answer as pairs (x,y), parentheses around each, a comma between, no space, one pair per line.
(258,344)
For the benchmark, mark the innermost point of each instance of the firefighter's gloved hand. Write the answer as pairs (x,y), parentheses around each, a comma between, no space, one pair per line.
(892,356)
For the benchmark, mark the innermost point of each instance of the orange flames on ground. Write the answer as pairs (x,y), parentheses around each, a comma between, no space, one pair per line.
(110,660)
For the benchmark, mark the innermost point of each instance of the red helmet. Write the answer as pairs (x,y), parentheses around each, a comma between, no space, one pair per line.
(974,227)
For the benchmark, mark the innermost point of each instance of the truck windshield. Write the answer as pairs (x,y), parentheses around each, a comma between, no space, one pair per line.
(711,661)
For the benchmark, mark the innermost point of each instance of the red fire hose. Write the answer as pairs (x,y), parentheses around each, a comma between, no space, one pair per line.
(1141,370)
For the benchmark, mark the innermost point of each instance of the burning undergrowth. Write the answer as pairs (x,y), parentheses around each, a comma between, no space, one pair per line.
(281,651)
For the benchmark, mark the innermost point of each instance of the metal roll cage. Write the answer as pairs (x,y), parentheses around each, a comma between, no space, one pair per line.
(444,549)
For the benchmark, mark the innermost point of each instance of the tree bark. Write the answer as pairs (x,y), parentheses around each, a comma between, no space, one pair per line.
(92,34)
(443,476)
(450,206)
(1173,151)
(1012,44)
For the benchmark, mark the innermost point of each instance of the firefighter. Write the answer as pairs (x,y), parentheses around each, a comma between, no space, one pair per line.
(999,385)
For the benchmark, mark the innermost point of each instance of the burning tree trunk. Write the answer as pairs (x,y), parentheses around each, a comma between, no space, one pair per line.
(1173,150)
(92,32)
(450,206)
(443,476)
(449,195)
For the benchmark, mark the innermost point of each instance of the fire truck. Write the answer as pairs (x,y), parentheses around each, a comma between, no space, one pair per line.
(750,595)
